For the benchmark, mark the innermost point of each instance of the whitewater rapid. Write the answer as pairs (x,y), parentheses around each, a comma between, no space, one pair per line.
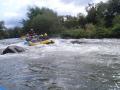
(103,46)
(90,64)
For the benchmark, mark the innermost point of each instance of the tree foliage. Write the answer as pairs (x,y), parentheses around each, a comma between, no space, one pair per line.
(101,21)
(41,20)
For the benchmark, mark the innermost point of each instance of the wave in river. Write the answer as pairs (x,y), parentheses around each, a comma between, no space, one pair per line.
(68,64)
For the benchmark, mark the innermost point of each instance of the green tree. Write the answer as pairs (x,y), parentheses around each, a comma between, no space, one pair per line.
(116,31)
(82,20)
(70,22)
(113,9)
(2,32)
(116,20)
(44,23)
(91,14)
(41,20)
(2,25)
(101,9)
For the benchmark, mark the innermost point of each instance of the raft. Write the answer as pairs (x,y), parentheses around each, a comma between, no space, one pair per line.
(22,37)
(40,42)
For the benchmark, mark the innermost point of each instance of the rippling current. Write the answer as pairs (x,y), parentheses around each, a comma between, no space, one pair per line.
(89,64)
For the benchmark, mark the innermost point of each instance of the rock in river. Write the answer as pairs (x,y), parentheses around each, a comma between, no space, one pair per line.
(13,49)
(77,42)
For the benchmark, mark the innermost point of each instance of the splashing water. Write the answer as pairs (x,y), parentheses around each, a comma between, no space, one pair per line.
(93,64)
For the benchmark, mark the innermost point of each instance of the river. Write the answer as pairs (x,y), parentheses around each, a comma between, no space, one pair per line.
(93,64)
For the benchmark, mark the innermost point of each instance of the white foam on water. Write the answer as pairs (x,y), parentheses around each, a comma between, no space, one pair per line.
(62,45)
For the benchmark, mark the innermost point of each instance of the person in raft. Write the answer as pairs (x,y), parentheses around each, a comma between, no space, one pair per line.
(31,36)
(43,37)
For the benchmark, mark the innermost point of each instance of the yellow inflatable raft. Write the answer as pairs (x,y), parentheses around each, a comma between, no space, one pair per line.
(23,37)
(41,42)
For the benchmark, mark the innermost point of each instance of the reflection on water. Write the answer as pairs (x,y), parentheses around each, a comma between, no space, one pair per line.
(93,65)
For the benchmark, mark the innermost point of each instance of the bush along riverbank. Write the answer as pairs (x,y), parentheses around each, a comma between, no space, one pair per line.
(92,31)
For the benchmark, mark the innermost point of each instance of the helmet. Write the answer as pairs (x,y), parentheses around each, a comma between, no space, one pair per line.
(45,34)
(31,29)
(41,35)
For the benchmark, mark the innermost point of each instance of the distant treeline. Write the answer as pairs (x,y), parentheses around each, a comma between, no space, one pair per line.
(102,21)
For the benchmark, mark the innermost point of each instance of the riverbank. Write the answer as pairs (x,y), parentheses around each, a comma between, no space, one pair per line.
(92,32)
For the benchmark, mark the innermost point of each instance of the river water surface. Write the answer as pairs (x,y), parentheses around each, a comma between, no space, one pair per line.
(92,64)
